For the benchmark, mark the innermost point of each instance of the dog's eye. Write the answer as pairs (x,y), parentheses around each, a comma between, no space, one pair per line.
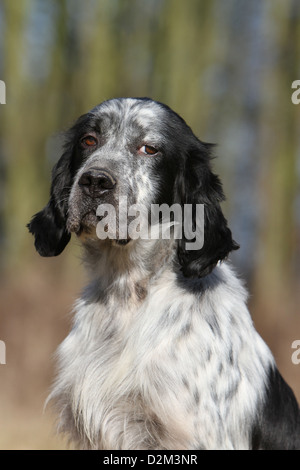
(88,141)
(148,150)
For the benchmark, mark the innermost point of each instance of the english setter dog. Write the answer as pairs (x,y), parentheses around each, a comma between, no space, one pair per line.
(163,353)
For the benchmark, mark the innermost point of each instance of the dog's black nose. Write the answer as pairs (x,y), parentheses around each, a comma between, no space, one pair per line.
(96,182)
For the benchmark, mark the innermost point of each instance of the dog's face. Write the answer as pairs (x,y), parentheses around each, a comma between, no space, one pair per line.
(140,150)
(121,151)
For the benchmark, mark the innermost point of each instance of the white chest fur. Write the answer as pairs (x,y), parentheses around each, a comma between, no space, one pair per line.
(180,370)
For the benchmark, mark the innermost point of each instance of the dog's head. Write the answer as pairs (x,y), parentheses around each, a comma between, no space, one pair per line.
(140,151)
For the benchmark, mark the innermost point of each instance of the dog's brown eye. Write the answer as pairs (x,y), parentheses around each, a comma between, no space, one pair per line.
(148,150)
(89,141)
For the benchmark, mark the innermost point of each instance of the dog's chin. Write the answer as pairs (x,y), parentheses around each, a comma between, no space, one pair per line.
(85,230)
(86,233)
(89,235)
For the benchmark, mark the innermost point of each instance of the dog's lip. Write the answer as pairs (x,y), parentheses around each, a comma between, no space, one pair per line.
(76,224)
(122,241)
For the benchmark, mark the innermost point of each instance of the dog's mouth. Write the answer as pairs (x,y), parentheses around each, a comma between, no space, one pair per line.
(85,227)
(78,223)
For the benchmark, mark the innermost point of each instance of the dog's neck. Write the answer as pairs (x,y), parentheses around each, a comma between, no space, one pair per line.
(127,270)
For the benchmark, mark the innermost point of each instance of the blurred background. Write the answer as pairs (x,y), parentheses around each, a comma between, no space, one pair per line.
(227,67)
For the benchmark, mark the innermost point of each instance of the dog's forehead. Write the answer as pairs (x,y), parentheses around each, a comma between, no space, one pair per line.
(130,113)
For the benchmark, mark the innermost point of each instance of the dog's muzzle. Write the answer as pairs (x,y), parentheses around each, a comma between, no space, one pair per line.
(96,185)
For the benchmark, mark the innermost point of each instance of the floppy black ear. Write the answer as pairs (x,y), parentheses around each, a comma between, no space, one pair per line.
(49,225)
(197,184)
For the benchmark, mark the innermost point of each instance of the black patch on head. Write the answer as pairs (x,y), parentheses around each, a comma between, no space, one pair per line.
(49,225)
(197,184)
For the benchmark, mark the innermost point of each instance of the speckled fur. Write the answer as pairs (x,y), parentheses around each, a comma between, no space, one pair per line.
(162,353)
(177,370)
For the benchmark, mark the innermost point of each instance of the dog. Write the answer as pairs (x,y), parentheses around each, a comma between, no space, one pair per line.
(162,353)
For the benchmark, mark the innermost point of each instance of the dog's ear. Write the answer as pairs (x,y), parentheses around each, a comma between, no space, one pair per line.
(197,184)
(49,225)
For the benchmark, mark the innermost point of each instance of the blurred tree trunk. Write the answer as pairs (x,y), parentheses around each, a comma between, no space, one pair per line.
(28,166)
(273,282)
(180,58)
(60,72)
(18,197)
(97,71)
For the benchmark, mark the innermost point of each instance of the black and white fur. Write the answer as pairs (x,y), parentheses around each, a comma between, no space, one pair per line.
(163,353)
